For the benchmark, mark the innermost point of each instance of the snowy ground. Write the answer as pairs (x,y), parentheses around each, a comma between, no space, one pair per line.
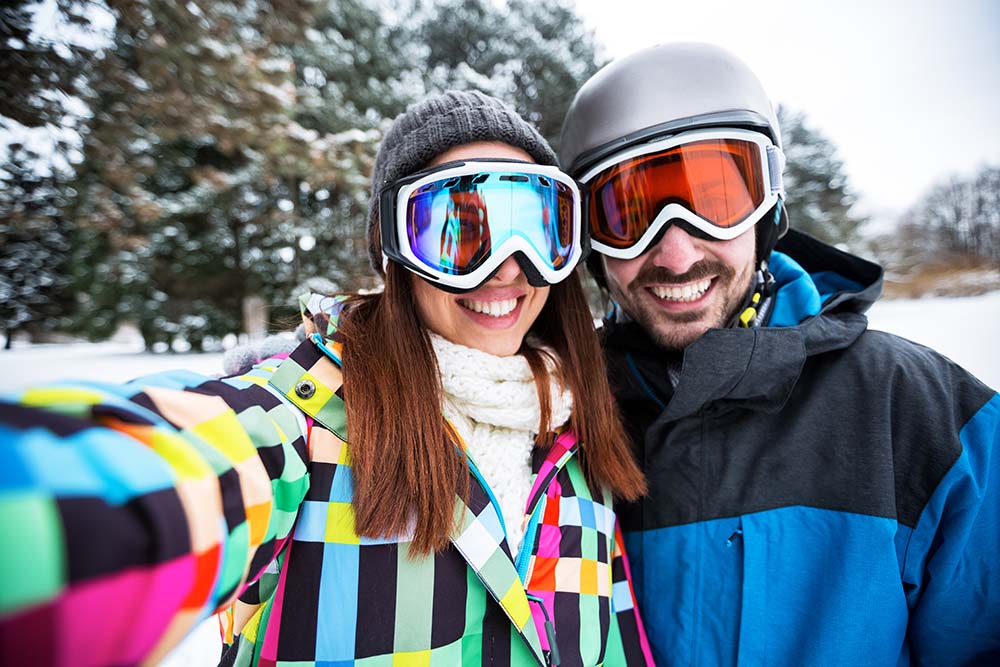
(965,329)
(108,362)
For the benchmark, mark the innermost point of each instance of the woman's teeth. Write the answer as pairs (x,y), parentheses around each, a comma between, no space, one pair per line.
(491,308)
(690,292)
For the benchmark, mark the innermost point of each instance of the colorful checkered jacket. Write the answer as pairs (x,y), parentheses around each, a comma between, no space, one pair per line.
(130,513)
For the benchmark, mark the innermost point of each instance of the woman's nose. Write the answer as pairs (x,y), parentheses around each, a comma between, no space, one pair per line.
(508,271)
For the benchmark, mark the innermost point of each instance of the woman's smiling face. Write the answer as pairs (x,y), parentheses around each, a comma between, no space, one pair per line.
(495,317)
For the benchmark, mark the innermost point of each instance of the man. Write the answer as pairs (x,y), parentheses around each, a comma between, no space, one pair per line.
(820,494)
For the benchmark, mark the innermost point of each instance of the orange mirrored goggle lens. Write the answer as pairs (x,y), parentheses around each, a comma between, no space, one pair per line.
(719,180)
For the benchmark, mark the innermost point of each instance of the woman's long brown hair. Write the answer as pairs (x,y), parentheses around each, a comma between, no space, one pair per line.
(407,471)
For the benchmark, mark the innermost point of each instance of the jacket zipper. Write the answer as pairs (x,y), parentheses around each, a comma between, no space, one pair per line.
(552,655)
(524,554)
(489,492)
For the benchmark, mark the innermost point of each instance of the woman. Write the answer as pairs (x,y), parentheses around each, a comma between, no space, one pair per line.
(486,538)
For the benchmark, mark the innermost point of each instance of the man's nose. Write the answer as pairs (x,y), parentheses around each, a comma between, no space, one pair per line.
(677,251)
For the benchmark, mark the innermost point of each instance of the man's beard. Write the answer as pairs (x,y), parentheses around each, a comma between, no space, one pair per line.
(659,324)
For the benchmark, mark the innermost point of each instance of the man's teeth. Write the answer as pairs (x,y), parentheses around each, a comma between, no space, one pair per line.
(491,308)
(690,292)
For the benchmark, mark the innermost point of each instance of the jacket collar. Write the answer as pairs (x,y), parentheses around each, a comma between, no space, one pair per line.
(546,464)
(480,540)
(753,366)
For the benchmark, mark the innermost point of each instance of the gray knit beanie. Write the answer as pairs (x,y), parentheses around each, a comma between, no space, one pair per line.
(428,128)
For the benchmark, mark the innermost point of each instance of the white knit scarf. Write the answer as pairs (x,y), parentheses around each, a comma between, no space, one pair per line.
(493,404)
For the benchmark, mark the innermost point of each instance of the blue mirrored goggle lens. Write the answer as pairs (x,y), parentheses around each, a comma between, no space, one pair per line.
(454,225)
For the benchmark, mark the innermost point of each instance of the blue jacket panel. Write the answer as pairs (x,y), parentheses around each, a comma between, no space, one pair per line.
(950,560)
(820,494)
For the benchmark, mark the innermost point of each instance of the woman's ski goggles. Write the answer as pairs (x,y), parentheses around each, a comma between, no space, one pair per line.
(457,223)
(720,182)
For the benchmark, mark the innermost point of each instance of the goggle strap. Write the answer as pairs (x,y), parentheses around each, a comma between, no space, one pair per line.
(775,167)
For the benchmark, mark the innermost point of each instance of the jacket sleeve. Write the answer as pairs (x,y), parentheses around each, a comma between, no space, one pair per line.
(235,617)
(951,568)
(627,642)
(130,513)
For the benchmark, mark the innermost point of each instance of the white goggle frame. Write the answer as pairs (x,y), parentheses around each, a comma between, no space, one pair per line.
(512,244)
(772,164)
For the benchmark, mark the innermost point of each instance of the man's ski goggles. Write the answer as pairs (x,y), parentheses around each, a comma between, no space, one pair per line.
(720,182)
(455,224)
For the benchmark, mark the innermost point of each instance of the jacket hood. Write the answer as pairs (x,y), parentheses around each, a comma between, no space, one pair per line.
(813,278)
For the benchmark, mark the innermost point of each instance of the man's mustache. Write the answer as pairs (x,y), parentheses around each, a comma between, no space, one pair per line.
(658,275)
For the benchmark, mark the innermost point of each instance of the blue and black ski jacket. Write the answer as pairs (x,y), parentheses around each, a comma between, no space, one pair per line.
(820,494)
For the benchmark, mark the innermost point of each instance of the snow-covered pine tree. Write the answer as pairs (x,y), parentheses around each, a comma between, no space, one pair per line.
(818,195)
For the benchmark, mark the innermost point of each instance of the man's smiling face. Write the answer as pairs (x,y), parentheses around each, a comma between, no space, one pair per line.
(683,285)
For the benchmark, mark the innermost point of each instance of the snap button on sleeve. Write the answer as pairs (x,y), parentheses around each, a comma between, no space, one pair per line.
(305,389)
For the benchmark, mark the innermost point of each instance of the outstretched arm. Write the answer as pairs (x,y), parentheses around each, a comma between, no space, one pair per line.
(129,513)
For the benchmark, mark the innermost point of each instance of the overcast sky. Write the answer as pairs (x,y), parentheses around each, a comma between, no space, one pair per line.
(908,90)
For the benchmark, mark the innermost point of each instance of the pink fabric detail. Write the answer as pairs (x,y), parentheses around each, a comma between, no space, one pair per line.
(647,652)
(119,620)
(309,434)
(26,637)
(566,440)
(548,541)
(549,600)
(269,649)
(563,443)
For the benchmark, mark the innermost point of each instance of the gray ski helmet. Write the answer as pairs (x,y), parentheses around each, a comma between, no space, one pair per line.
(663,90)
